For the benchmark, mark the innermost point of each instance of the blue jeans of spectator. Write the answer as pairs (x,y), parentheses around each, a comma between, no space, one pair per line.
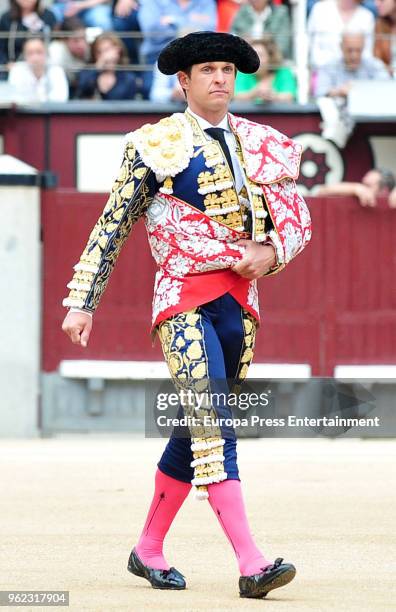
(98,16)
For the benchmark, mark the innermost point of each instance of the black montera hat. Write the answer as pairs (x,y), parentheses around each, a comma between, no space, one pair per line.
(200,47)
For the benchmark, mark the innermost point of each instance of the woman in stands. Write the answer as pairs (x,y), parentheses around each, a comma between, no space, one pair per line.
(107,81)
(256,18)
(273,82)
(24,16)
(385,33)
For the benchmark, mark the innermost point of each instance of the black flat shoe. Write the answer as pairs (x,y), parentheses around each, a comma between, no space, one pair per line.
(158,578)
(276,575)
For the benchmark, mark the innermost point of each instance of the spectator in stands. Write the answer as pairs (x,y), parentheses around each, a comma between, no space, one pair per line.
(392,198)
(125,19)
(163,20)
(385,34)
(23,16)
(273,82)
(72,52)
(326,24)
(166,88)
(259,17)
(34,79)
(105,81)
(335,80)
(376,183)
(93,13)
(369,4)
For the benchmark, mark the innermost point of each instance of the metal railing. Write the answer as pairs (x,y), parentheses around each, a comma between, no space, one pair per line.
(300,47)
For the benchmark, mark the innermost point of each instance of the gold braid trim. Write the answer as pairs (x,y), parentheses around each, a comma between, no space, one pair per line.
(166,147)
(126,203)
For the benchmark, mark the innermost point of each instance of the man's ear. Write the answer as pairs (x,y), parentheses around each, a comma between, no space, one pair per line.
(183,79)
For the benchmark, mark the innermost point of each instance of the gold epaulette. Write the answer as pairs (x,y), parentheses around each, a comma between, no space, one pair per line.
(166,147)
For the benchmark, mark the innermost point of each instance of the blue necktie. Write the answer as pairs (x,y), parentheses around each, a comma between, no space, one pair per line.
(219,135)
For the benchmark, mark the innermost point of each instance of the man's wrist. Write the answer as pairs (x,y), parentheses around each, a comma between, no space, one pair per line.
(275,264)
(81,310)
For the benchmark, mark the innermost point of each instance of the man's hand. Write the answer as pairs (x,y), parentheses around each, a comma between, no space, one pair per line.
(365,195)
(340,92)
(123,8)
(73,8)
(167,20)
(263,90)
(78,325)
(257,259)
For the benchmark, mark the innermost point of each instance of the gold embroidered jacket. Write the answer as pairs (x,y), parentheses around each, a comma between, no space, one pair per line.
(173,162)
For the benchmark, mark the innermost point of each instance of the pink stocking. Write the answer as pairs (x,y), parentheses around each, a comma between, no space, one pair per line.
(168,497)
(227,503)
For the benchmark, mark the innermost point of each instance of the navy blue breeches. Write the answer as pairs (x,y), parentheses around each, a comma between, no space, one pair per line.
(215,340)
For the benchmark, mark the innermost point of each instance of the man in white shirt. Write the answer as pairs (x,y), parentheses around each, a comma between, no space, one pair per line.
(33,80)
(335,80)
(329,20)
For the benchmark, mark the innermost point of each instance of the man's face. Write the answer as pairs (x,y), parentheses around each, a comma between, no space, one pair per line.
(77,44)
(210,86)
(34,53)
(372,180)
(27,5)
(352,49)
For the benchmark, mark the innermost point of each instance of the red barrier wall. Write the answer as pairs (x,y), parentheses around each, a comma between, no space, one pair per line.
(47,139)
(335,303)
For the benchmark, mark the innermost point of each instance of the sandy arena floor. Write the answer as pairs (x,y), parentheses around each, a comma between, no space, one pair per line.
(72,507)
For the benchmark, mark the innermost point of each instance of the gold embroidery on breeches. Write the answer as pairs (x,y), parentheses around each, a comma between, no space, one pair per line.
(183,344)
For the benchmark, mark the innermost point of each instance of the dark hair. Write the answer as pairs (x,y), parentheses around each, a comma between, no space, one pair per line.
(275,58)
(16,13)
(387,180)
(72,24)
